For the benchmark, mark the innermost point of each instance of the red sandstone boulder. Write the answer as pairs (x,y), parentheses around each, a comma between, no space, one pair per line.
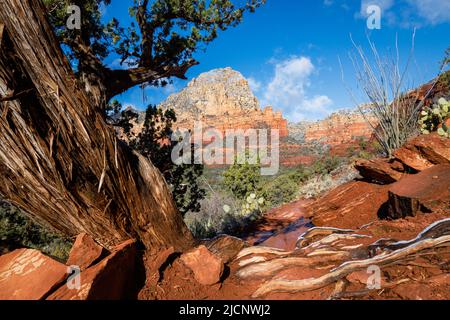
(349,206)
(110,279)
(85,252)
(378,171)
(424,192)
(425,151)
(412,159)
(27,274)
(226,247)
(207,267)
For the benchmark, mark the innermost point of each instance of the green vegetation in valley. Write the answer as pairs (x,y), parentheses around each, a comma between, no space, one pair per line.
(231,207)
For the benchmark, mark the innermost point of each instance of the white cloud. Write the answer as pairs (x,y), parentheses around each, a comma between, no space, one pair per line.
(406,13)
(288,90)
(255,85)
(383,4)
(434,11)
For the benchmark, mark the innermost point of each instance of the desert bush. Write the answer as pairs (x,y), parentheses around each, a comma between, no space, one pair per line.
(19,231)
(434,118)
(283,189)
(316,185)
(391,100)
(326,165)
(242,178)
(221,213)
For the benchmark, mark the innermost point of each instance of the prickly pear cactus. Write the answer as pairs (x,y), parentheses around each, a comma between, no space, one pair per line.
(252,205)
(434,118)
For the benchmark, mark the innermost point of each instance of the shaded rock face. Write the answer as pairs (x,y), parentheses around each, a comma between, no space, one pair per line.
(207,267)
(110,279)
(85,252)
(427,191)
(379,170)
(27,274)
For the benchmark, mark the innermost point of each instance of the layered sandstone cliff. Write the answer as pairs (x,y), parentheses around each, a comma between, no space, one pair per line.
(339,131)
(222,99)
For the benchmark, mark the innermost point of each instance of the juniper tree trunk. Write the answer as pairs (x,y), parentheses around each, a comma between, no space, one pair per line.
(60,161)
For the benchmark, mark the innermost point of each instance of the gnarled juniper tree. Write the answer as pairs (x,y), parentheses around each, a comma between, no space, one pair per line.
(60,161)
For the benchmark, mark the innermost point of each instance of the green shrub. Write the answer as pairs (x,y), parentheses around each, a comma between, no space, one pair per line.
(434,118)
(221,213)
(326,165)
(18,231)
(155,142)
(283,189)
(242,178)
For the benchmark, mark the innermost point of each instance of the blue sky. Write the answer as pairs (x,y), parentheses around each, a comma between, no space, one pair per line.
(289,50)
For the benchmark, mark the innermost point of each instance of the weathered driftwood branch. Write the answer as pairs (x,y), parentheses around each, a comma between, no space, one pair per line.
(261,250)
(263,262)
(437,229)
(270,268)
(331,240)
(345,269)
(306,238)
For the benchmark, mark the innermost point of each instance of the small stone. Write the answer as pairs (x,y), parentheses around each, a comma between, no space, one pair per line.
(110,279)
(207,267)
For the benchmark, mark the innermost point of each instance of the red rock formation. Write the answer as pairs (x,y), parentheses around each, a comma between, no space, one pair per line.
(427,191)
(340,131)
(244,120)
(27,274)
(222,99)
(85,251)
(110,279)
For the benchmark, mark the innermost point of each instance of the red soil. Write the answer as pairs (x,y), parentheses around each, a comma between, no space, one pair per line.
(356,205)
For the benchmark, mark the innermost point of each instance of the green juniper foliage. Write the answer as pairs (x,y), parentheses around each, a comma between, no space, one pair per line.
(158,44)
(242,178)
(155,143)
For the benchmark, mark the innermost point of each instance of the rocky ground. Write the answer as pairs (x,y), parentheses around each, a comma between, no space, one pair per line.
(389,203)
(309,249)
